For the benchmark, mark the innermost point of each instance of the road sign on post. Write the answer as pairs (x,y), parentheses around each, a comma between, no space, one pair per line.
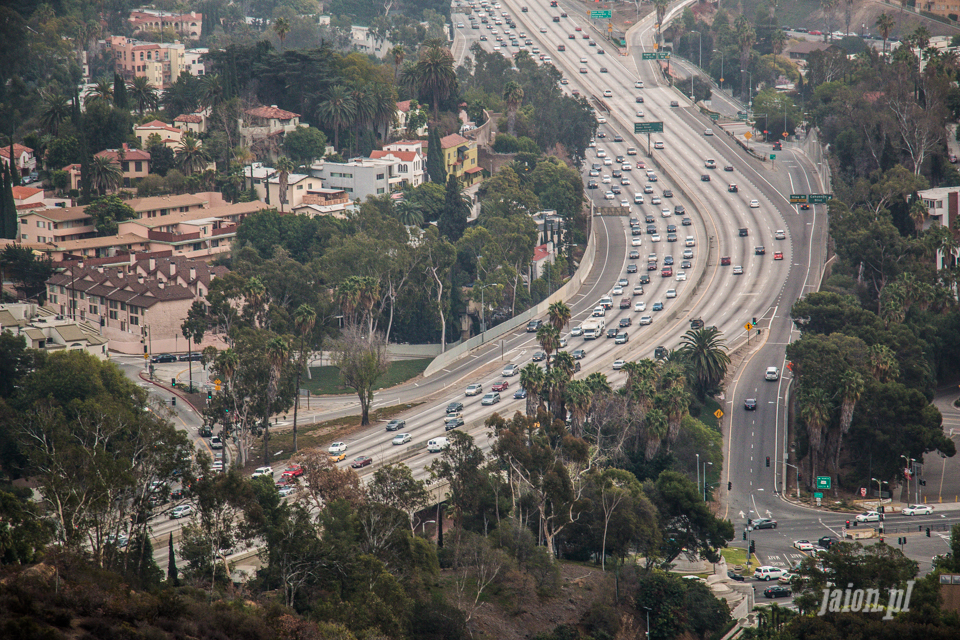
(601,15)
(798,198)
(748,326)
(714,116)
(773,156)
(663,55)
(748,135)
(820,198)
(648,127)
(823,482)
(718,414)
(648,56)
(818,495)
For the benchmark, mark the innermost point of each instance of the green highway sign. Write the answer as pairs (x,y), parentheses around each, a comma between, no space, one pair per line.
(818,495)
(649,56)
(663,55)
(714,116)
(798,198)
(601,15)
(648,127)
(773,156)
(823,482)
(743,115)
(820,198)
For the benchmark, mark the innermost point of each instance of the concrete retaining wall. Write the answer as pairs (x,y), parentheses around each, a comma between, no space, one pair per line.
(564,292)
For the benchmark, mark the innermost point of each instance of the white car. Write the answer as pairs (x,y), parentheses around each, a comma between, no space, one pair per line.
(646,320)
(602,120)
(599,312)
(640,113)
(401,438)
(609,195)
(772,373)
(640,306)
(689,242)
(638,84)
(769,573)
(869,516)
(583,61)
(577,330)
(474,389)
(617,291)
(638,198)
(655,237)
(337,447)
(635,241)
(605,179)
(754,204)
(803,545)
(665,213)
(671,293)
(658,144)
(601,153)
(918,510)
(624,203)
(607,93)
(618,364)
(262,471)
(182,511)
(510,370)
(681,276)
(708,132)
(780,235)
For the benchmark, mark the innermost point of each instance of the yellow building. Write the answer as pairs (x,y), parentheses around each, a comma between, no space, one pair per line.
(460,158)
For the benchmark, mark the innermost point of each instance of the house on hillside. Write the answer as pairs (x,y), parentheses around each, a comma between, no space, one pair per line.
(23,156)
(262,129)
(169,135)
(133,163)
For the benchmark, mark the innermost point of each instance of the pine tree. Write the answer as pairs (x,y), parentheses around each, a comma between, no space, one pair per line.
(120,98)
(14,174)
(453,217)
(173,576)
(435,165)
(3,201)
(11,224)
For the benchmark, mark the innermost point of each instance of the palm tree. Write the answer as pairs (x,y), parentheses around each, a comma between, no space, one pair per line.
(384,100)
(282,27)
(531,380)
(885,26)
(556,384)
(513,97)
(105,174)
(365,111)
(578,397)
(676,401)
(55,109)
(746,37)
(815,412)
(597,383)
(407,214)
(827,6)
(433,74)
(212,93)
(348,298)
(338,111)
(559,314)
(884,363)
(918,213)
(101,92)
(779,41)
(397,53)
(145,95)
(656,428)
(304,319)
(191,156)
(549,339)
(706,354)
(661,7)
(284,167)
(637,370)
(278,353)
(368,294)
(851,388)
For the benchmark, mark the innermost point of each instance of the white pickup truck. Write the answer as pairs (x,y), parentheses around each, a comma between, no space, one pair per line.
(593,328)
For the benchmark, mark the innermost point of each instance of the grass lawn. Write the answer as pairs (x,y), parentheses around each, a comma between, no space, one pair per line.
(707,417)
(734,556)
(326,380)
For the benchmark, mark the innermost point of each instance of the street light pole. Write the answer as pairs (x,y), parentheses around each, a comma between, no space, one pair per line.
(880,484)
(720,51)
(705,479)
(698,472)
(798,476)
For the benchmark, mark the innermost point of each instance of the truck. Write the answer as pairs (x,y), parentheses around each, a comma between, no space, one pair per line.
(437,444)
(593,328)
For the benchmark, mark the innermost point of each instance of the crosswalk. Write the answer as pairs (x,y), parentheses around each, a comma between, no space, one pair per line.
(783,561)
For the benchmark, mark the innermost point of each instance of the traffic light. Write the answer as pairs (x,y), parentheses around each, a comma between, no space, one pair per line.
(729,486)
(923,482)
(749,522)
(928,532)
(744,534)
(768,461)
(173,401)
(881,540)
(209,395)
(754,321)
(848,524)
(753,546)
(882,508)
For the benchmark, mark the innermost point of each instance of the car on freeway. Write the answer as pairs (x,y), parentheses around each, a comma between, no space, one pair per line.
(577,330)
(744,232)
(452,421)
(666,272)
(621,338)
(760,251)
(754,204)
(454,407)
(681,276)
(768,573)
(655,200)
(396,425)
(686,264)
(724,261)
(705,178)
(658,144)
(612,332)
(533,325)
(778,591)
(632,151)
(510,370)
(639,113)
(622,282)
(401,438)
(539,356)
(500,386)
(667,193)
(603,69)
(738,271)
(474,389)
(764,523)
(338,457)
(803,545)
(607,93)
(609,195)
(490,398)
(520,394)
(337,447)
(625,322)
(869,516)
(599,312)
(618,138)
(361,461)
(750,404)
(674,103)
(647,189)
(772,373)
(286,490)
(917,510)
(686,222)
(631,268)
(625,303)
(671,293)
(641,164)
(579,354)
(638,84)
(644,279)
(638,290)
(618,364)
(732,188)
(182,511)
(710,163)
(655,237)
(728,168)
(778,255)
(645,320)
(708,132)
(779,234)
(262,471)
(658,306)
(293,471)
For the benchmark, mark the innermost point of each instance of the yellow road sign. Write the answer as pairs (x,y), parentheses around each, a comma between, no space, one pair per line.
(748,135)
(718,414)
(748,326)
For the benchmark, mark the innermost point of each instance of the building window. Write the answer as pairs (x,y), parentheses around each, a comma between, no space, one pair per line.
(134,321)
(123,306)
(379,176)
(113,315)
(138,166)
(93,310)
(379,191)
(113,304)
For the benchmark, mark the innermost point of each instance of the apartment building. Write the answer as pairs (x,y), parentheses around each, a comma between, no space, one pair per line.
(23,158)
(407,165)
(46,330)
(188,25)
(360,177)
(134,163)
(136,303)
(460,158)
(169,135)
(943,207)
(28,198)
(56,225)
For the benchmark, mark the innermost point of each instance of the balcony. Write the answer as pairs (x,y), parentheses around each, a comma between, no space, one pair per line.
(223,231)
(166,236)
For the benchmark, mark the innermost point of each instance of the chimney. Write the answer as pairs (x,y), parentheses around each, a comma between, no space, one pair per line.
(273,106)
(193,274)
(100,269)
(153,264)
(140,278)
(173,269)
(120,273)
(161,284)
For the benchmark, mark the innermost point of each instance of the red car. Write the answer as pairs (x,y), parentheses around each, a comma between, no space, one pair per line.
(293,471)
(641,165)
(778,255)
(625,303)
(725,261)
(362,461)
(500,386)
(667,272)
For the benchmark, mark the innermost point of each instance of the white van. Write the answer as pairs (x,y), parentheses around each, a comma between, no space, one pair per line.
(437,444)
(768,573)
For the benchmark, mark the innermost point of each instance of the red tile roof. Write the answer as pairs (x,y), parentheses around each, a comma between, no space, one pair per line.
(189,117)
(156,124)
(474,170)
(128,154)
(22,193)
(406,156)
(403,106)
(271,112)
(452,140)
(17,150)
(539,253)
